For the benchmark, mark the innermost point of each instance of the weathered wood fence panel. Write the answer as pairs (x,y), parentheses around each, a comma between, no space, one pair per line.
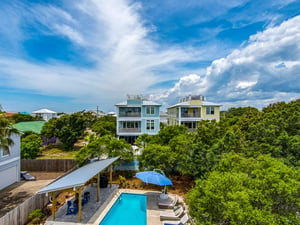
(19,215)
(47,165)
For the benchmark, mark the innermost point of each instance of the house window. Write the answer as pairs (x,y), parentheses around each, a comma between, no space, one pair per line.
(4,152)
(184,112)
(130,124)
(150,110)
(210,110)
(150,125)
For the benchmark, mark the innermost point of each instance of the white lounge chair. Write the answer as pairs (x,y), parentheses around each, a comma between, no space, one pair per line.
(172,215)
(182,221)
(168,203)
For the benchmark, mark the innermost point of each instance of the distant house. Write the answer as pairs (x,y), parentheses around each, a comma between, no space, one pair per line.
(163,117)
(46,114)
(10,165)
(192,109)
(135,116)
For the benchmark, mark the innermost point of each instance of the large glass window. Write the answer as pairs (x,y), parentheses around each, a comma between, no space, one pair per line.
(150,125)
(150,110)
(210,110)
(131,124)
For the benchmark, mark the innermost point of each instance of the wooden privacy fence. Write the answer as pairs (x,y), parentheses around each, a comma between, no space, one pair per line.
(47,165)
(19,215)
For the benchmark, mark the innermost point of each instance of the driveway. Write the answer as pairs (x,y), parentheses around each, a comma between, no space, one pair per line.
(17,193)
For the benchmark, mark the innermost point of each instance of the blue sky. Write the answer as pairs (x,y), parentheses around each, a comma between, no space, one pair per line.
(70,55)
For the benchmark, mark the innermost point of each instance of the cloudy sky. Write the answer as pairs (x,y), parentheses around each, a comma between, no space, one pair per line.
(69,55)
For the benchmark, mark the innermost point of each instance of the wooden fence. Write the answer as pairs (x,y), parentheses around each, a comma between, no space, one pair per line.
(19,215)
(47,165)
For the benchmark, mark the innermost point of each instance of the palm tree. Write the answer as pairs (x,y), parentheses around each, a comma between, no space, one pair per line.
(5,134)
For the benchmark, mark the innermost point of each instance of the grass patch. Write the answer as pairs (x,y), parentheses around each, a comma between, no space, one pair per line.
(56,152)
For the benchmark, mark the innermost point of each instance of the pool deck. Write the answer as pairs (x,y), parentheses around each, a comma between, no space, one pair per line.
(93,212)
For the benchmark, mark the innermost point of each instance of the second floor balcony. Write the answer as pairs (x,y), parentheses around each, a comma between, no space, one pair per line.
(129,130)
(191,115)
(129,114)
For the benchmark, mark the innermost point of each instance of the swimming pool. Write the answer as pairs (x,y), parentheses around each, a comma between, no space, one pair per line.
(129,209)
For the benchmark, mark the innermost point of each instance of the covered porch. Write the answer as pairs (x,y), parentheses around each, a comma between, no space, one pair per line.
(79,181)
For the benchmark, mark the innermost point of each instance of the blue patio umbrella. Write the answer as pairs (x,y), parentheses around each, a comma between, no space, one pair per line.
(152,177)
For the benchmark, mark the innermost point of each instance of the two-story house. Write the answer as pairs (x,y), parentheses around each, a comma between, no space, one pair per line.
(135,116)
(10,164)
(192,109)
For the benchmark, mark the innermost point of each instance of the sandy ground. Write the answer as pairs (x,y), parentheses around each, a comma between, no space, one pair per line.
(17,193)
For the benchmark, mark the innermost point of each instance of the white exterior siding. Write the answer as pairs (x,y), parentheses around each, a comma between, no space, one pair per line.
(10,165)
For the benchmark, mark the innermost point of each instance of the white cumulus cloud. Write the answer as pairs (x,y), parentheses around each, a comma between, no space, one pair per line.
(250,74)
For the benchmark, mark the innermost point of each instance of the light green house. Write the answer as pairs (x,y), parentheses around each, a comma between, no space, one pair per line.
(192,109)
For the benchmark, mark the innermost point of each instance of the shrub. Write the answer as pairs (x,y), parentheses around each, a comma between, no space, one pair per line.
(36,216)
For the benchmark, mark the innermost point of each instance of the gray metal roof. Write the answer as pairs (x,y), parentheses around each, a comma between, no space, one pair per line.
(79,176)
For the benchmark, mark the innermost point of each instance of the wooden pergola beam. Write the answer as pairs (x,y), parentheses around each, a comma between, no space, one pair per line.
(53,196)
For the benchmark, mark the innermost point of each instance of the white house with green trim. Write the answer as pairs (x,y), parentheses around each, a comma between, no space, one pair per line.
(135,116)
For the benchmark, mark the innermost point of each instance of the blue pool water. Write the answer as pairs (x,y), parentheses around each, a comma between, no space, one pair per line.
(129,209)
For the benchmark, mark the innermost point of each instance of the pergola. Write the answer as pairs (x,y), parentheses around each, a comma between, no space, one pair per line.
(77,180)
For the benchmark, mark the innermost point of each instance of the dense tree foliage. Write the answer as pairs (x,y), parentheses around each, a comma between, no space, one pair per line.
(242,190)
(107,146)
(16,118)
(68,128)
(246,166)
(105,125)
(30,146)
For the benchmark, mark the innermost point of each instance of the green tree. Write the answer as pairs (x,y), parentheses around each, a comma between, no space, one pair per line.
(68,128)
(30,146)
(143,140)
(158,156)
(105,125)
(168,133)
(241,190)
(6,131)
(105,146)
(16,118)
(240,111)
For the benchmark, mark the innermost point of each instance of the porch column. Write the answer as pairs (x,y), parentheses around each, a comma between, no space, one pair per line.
(79,204)
(98,187)
(53,196)
(110,175)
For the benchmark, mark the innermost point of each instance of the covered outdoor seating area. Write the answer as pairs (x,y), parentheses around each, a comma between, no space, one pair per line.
(79,182)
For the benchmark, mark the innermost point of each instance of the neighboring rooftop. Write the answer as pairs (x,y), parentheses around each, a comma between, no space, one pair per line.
(44,111)
(34,126)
